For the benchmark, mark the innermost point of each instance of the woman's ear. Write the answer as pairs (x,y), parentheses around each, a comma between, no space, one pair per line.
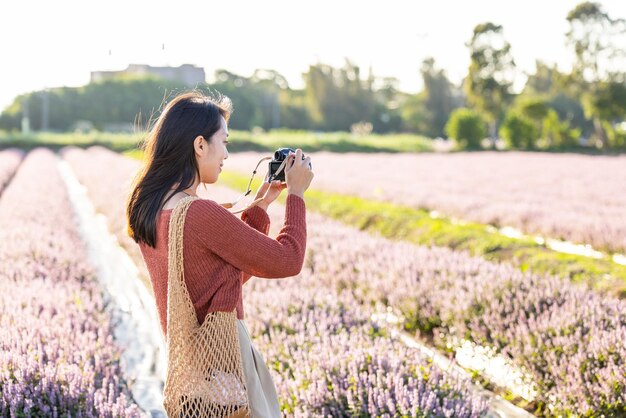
(199,144)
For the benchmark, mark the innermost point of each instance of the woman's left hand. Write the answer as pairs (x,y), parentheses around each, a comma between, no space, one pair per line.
(269,192)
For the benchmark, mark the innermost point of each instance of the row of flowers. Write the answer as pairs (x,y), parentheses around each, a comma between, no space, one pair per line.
(9,162)
(57,354)
(330,359)
(578,198)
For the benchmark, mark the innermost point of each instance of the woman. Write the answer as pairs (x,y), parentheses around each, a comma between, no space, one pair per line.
(186,147)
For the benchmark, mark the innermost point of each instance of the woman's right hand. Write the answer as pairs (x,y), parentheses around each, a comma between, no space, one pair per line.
(298,173)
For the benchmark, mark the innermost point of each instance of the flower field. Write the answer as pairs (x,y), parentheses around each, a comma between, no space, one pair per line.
(9,161)
(330,357)
(318,332)
(410,383)
(57,354)
(570,340)
(573,197)
(108,188)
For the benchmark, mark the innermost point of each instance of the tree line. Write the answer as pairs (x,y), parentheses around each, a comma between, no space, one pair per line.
(554,110)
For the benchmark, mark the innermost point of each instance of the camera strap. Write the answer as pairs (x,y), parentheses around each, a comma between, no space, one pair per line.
(229,205)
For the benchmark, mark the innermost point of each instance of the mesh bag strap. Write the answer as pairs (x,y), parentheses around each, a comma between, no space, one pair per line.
(204,376)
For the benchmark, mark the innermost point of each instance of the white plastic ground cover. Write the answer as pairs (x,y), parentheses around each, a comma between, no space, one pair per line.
(619,259)
(136,325)
(565,247)
(495,367)
(557,245)
(470,356)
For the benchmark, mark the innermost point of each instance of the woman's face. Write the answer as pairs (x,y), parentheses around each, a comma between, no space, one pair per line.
(211,156)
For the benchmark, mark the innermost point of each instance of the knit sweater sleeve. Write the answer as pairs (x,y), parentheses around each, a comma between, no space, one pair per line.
(258,219)
(246,248)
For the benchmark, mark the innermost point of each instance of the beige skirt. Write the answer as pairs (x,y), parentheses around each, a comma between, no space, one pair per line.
(260,385)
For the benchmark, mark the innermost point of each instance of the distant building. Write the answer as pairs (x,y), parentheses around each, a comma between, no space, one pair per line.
(189,74)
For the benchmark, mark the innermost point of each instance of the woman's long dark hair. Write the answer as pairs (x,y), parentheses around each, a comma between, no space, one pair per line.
(169,158)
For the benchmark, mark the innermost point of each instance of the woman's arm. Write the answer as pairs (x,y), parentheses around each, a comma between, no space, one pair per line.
(258,219)
(244,247)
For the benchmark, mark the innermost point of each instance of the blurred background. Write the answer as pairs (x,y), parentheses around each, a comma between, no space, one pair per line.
(543,75)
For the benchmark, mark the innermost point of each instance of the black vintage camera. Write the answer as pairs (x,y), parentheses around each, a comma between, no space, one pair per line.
(280,155)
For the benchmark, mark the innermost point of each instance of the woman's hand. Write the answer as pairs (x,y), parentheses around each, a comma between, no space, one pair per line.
(269,192)
(298,173)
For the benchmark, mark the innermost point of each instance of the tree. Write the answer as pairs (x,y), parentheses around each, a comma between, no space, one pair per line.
(547,102)
(262,100)
(557,133)
(606,103)
(294,113)
(119,100)
(467,127)
(386,101)
(267,84)
(438,98)
(534,108)
(241,91)
(337,97)
(518,131)
(415,115)
(597,41)
(556,89)
(544,80)
(490,76)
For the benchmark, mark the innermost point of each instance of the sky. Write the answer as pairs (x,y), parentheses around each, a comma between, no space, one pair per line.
(57,43)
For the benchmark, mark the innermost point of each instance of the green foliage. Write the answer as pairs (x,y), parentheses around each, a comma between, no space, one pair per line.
(336,98)
(597,74)
(333,96)
(333,100)
(558,134)
(570,109)
(263,100)
(488,81)
(293,110)
(414,113)
(125,101)
(617,137)
(544,81)
(467,127)
(240,141)
(11,118)
(558,92)
(328,141)
(518,131)
(535,108)
(607,100)
(594,36)
(542,110)
(122,100)
(116,141)
(438,99)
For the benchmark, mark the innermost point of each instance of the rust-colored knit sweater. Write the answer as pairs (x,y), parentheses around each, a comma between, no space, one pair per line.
(221,253)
